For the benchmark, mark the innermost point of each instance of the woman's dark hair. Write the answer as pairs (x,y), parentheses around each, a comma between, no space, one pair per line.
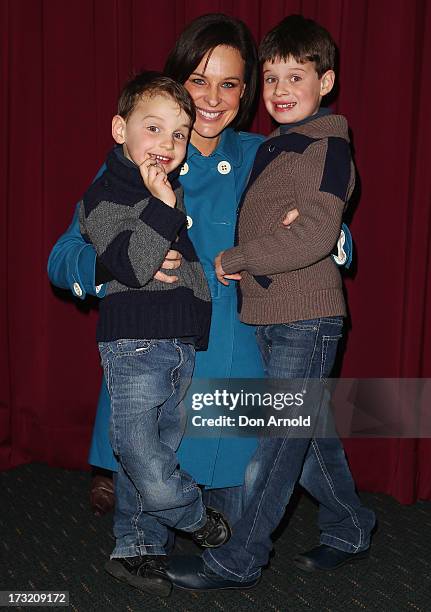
(204,34)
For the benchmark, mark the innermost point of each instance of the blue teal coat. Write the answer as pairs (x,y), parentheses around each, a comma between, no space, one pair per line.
(212,188)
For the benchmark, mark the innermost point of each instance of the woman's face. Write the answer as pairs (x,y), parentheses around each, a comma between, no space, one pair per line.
(216,86)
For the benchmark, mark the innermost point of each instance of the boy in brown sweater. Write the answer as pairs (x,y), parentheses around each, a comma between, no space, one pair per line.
(291,289)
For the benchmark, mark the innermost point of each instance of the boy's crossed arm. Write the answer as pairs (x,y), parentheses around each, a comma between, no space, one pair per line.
(132,248)
(290,217)
(312,237)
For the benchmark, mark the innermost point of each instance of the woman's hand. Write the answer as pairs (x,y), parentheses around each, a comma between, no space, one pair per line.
(290,217)
(172,262)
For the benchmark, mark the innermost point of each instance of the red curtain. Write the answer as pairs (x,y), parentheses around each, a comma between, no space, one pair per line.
(62,64)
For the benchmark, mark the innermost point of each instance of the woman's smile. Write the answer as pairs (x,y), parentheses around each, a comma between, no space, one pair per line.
(216,86)
(209,115)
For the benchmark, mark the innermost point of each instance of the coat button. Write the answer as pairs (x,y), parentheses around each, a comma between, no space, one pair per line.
(271,148)
(184,169)
(189,222)
(224,167)
(77,289)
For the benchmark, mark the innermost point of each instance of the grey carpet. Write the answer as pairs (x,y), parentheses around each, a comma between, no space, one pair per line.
(51,541)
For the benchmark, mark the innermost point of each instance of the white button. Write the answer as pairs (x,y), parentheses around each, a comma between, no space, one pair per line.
(224,167)
(184,169)
(98,288)
(189,222)
(77,289)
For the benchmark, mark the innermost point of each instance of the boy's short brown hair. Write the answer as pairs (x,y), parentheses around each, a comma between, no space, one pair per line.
(151,83)
(301,38)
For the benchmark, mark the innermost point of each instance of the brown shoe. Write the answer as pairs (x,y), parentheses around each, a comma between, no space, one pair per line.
(102,495)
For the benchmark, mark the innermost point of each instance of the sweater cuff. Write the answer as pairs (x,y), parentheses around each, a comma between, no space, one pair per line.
(162,218)
(233,260)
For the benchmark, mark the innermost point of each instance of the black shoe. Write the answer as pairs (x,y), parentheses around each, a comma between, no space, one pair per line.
(191,574)
(146,573)
(214,533)
(326,558)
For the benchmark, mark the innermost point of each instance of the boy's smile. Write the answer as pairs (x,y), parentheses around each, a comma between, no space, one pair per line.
(157,128)
(293,91)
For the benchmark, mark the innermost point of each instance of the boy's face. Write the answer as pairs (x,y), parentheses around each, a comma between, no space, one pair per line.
(293,91)
(157,128)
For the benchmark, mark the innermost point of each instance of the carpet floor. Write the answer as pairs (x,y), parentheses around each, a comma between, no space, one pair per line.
(51,541)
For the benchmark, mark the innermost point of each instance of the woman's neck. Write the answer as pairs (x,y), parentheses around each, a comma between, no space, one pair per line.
(204,145)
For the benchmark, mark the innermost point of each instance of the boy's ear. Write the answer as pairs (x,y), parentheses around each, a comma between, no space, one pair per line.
(118,129)
(327,82)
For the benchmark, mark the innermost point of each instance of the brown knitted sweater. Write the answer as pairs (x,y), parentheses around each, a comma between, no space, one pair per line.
(288,274)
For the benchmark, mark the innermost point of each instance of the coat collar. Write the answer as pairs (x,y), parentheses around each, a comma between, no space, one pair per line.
(229,148)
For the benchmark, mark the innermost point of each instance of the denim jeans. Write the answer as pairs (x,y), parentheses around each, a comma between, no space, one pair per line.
(304,351)
(147,379)
(227,500)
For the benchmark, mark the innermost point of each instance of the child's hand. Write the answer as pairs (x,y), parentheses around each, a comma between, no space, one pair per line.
(156,181)
(220,273)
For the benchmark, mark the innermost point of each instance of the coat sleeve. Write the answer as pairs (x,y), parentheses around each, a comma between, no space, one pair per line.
(323,180)
(72,263)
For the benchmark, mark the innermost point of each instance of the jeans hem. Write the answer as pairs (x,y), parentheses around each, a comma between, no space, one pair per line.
(197,524)
(137,550)
(152,549)
(224,572)
(343,545)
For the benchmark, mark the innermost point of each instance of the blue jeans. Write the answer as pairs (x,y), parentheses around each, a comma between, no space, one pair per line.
(147,379)
(305,351)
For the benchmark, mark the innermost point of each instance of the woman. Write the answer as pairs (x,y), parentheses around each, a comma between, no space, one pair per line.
(215,57)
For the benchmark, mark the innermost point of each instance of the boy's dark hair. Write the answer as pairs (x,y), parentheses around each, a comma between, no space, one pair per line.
(204,34)
(151,83)
(301,38)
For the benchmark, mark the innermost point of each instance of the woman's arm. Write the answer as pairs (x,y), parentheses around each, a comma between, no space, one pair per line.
(72,263)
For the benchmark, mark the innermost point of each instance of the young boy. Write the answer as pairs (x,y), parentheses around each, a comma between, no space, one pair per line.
(291,289)
(148,330)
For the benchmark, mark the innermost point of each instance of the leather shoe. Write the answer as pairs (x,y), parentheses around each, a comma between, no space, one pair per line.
(102,495)
(326,558)
(146,573)
(214,533)
(191,573)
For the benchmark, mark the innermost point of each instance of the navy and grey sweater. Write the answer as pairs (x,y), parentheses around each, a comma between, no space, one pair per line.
(131,232)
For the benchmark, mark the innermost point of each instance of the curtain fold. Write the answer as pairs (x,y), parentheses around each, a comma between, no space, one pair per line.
(64,63)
